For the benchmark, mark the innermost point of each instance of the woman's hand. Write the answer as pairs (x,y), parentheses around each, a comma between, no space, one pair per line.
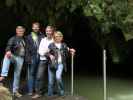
(72,51)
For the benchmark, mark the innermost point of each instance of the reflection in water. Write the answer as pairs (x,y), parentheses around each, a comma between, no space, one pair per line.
(120,89)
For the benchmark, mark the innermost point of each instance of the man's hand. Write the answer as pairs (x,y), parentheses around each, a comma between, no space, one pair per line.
(8,54)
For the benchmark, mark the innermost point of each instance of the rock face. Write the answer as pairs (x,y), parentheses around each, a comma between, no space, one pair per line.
(55,98)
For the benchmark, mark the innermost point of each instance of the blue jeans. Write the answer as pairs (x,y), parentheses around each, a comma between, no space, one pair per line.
(32,71)
(18,62)
(55,75)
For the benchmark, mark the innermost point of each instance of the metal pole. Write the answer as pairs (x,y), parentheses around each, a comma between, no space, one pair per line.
(72,73)
(104,74)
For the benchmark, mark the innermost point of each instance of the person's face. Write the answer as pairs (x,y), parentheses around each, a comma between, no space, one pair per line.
(49,32)
(35,28)
(20,31)
(58,38)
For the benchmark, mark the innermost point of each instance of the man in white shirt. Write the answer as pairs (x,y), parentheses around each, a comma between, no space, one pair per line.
(43,49)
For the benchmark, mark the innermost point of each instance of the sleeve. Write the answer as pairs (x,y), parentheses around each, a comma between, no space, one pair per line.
(66,50)
(10,44)
(43,49)
(50,50)
(27,50)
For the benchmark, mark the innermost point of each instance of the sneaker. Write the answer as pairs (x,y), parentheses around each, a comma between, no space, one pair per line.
(17,94)
(61,93)
(36,96)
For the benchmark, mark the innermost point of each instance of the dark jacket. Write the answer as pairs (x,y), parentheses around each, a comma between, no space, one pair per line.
(15,44)
(63,50)
(31,47)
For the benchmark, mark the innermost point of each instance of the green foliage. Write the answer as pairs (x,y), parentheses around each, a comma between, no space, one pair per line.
(58,12)
(108,14)
(48,11)
(119,12)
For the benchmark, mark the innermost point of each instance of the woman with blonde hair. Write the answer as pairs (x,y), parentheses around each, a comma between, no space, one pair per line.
(58,52)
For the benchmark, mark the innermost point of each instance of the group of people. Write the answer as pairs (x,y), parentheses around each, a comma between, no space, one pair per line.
(41,53)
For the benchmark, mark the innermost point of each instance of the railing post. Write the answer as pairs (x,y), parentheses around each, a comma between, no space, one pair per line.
(72,74)
(104,74)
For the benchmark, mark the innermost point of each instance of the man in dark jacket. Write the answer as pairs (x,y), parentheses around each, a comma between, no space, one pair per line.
(15,52)
(32,56)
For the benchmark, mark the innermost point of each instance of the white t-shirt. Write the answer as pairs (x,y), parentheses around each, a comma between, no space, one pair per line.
(43,47)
